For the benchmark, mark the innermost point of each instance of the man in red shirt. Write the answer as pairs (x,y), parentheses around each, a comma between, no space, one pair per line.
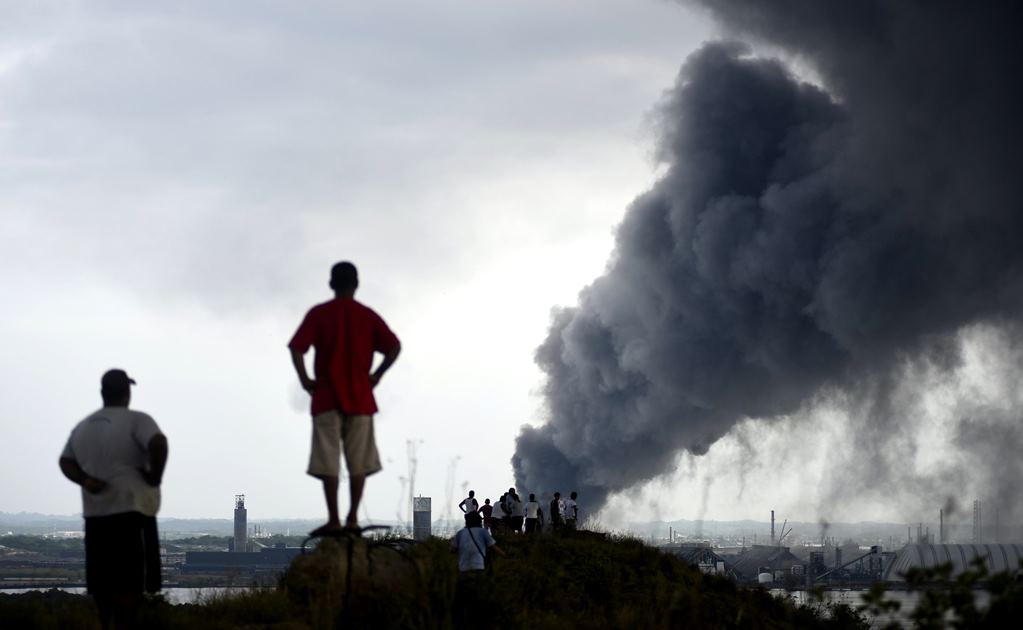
(346,334)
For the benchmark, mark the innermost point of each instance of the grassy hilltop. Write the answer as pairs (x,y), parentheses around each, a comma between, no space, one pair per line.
(588,581)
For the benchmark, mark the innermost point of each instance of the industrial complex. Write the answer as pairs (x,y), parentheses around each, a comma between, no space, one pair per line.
(245,557)
(859,556)
(850,565)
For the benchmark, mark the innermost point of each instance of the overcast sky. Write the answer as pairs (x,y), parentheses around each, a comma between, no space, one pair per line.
(176,183)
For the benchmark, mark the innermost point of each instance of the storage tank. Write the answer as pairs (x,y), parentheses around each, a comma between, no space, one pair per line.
(765,578)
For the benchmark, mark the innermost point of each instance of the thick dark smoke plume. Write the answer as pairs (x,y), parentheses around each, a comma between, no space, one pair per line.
(803,240)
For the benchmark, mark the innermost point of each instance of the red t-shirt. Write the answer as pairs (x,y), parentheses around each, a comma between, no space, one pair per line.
(345,334)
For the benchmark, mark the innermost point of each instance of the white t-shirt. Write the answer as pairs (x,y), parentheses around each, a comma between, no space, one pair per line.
(469,504)
(532,508)
(112,445)
(569,509)
(516,506)
(469,556)
(504,508)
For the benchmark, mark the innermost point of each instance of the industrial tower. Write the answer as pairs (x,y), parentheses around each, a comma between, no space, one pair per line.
(241,524)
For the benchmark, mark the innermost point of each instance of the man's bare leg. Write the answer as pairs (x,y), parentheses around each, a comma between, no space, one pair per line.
(330,485)
(355,485)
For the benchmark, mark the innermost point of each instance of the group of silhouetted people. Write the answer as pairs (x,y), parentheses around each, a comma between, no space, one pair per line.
(510,513)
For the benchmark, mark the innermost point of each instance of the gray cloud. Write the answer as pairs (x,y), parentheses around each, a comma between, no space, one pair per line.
(803,241)
(176,180)
(231,149)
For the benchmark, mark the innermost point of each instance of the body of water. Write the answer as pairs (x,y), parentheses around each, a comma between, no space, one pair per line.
(175,595)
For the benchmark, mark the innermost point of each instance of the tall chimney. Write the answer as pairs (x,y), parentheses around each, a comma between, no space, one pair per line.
(240,524)
(772,527)
(941,526)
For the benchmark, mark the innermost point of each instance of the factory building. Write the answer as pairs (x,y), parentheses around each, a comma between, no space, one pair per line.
(759,559)
(266,560)
(998,557)
(241,557)
(702,557)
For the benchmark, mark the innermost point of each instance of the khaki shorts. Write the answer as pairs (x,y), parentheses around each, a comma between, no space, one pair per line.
(330,430)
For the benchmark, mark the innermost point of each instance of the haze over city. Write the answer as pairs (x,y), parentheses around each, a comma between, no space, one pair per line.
(544,203)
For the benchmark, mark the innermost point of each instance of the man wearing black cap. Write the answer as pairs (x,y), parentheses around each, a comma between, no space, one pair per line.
(346,335)
(118,456)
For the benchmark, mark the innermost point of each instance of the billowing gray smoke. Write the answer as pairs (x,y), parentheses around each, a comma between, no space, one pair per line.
(802,240)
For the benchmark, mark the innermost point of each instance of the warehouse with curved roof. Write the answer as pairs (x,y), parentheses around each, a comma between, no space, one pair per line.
(997,557)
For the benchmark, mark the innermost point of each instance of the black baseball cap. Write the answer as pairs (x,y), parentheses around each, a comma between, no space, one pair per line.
(115,381)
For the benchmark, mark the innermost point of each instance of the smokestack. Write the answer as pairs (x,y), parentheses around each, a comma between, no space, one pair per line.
(772,527)
(941,526)
(240,524)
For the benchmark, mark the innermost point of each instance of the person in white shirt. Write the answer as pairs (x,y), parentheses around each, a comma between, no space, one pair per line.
(517,511)
(118,457)
(534,516)
(571,511)
(469,505)
(502,517)
(557,513)
(472,543)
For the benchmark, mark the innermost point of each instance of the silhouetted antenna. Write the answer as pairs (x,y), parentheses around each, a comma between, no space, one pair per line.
(976,522)
(449,487)
(402,497)
(413,464)
(784,532)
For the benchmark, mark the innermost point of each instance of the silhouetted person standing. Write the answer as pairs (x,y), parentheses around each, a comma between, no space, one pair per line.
(118,457)
(557,513)
(533,515)
(487,512)
(571,511)
(517,512)
(469,505)
(346,335)
(473,595)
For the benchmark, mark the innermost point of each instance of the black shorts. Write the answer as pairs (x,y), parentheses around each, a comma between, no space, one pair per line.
(122,554)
